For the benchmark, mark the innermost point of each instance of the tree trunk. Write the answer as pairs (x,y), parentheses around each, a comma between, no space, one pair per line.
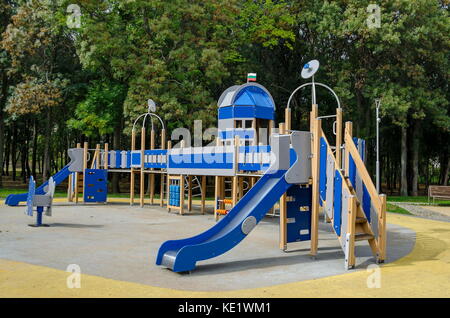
(116,145)
(34,155)
(13,151)
(2,122)
(7,153)
(415,158)
(404,163)
(46,163)
(447,172)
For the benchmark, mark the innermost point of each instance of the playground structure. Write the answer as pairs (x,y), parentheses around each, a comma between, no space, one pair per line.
(300,172)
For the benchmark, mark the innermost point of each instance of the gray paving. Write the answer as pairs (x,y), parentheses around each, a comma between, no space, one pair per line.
(120,242)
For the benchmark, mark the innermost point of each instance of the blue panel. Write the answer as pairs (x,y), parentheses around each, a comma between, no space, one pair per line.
(225,112)
(155,165)
(136,158)
(174,195)
(367,202)
(198,161)
(118,159)
(252,150)
(30,197)
(337,207)
(323,170)
(246,112)
(248,149)
(128,159)
(95,185)
(264,113)
(352,171)
(242,133)
(302,199)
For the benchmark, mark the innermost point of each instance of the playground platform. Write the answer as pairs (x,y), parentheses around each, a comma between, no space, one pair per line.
(115,246)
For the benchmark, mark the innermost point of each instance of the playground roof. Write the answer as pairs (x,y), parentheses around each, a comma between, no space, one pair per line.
(250,94)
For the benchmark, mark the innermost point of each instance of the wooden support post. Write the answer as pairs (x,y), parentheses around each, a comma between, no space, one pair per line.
(182,183)
(152,176)
(97,157)
(351,231)
(85,163)
(189,193)
(217,180)
(181,195)
(235,184)
(349,131)
(240,187)
(105,157)
(142,179)
(271,130)
(382,235)
(161,191)
(69,189)
(255,129)
(315,186)
(288,117)
(169,146)
(283,208)
(203,194)
(133,147)
(76,185)
(217,189)
(338,137)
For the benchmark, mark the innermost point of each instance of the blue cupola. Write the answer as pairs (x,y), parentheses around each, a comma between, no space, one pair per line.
(243,109)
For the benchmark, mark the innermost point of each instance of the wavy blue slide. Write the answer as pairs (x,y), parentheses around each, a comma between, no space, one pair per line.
(60,176)
(182,255)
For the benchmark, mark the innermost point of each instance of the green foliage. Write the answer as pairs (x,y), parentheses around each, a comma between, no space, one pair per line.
(184,53)
(101,109)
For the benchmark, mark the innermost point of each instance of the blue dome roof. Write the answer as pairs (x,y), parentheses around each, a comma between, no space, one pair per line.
(250,94)
(250,100)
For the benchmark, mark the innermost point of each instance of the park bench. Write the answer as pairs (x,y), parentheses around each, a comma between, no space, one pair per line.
(440,192)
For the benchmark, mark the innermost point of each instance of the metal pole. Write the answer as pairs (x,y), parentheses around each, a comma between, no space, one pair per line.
(313,91)
(377,103)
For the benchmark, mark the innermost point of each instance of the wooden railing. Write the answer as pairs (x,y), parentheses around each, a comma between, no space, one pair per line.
(378,201)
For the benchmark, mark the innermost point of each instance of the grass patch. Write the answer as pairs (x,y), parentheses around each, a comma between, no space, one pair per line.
(4,192)
(418,199)
(396,209)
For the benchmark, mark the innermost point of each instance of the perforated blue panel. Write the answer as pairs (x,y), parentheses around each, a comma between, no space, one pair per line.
(337,213)
(95,185)
(323,171)
(30,196)
(299,214)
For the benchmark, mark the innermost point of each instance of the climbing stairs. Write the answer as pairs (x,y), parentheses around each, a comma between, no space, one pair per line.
(346,210)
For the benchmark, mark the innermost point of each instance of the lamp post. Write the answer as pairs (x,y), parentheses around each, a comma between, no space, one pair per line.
(377,167)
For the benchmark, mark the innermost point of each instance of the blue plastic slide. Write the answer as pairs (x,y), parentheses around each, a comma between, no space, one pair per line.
(60,176)
(182,255)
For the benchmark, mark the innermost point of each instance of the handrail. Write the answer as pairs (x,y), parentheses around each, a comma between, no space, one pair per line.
(361,168)
(378,244)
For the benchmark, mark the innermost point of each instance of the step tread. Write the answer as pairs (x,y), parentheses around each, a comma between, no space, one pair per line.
(363,236)
(360,220)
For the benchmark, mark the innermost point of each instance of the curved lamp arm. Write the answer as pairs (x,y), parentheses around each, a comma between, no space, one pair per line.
(145,118)
(315,83)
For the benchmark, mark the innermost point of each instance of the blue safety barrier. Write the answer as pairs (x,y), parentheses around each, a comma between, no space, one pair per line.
(323,171)
(337,207)
(95,185)
(299,214)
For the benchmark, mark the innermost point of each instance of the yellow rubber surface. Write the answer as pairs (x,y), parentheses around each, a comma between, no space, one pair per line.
(425,272)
